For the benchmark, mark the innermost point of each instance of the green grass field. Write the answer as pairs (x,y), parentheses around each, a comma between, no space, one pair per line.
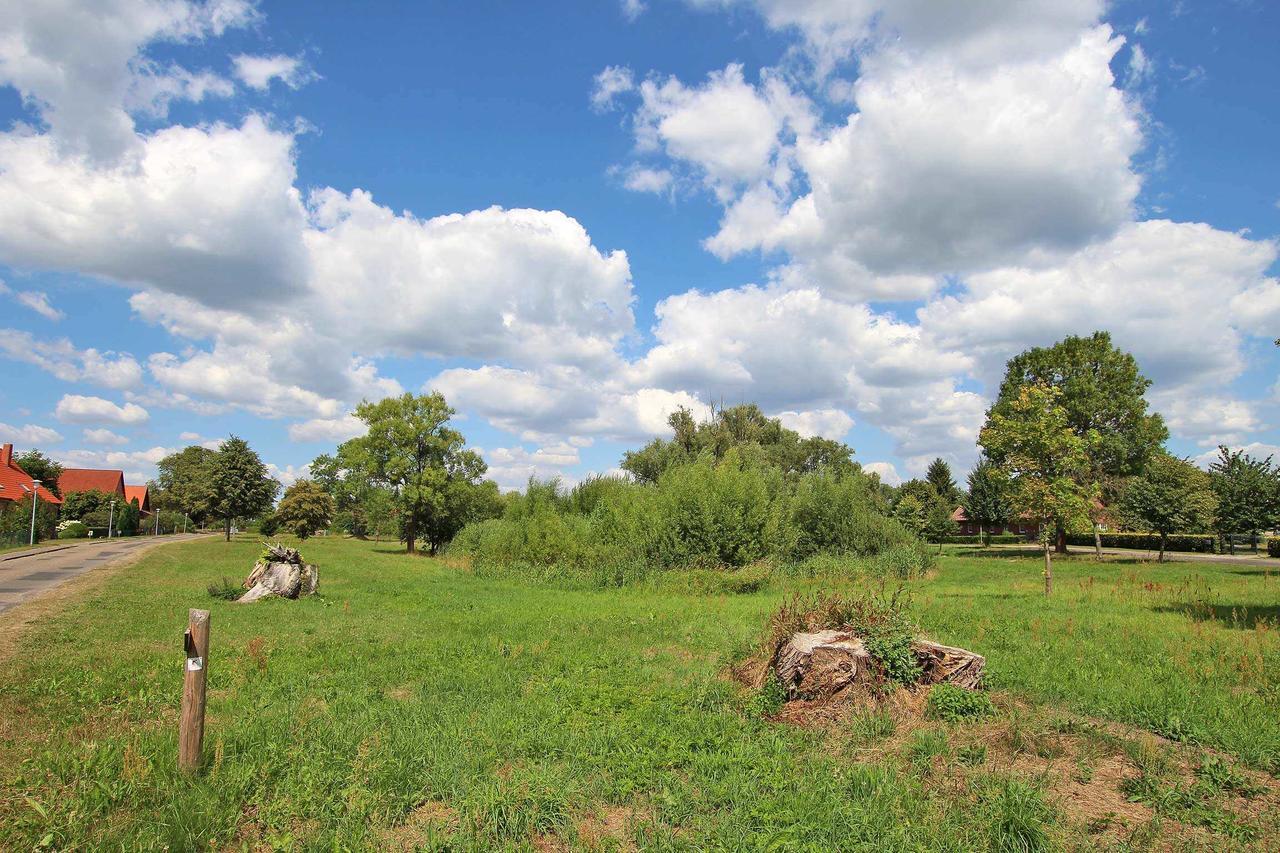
(414,705)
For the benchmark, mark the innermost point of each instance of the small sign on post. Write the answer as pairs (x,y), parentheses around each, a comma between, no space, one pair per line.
(191,724)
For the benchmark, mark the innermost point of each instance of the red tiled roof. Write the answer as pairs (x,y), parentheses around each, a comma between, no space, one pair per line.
(13,478)
(139,492)
(91,479)
(959,514)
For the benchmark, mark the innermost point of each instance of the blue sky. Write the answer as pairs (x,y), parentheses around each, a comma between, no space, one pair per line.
(225,217)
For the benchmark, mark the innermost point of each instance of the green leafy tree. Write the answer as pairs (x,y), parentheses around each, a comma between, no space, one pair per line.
(1247,491)
(305,508)
(747,428)
(411,450)
(1171,495)
(79,506)
(40,467)
(238,484)
(911,513)
(939,477)
(987,501)
(128,515)
(185,482)
(937,521)
(1102,394)
(380,512)
(1044,460)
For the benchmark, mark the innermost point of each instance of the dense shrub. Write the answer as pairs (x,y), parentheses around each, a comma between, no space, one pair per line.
(705,514)
(838,513)
(1202,543)
(726,514)
(72,530)
(1273,547)
(15,521)
(998,539)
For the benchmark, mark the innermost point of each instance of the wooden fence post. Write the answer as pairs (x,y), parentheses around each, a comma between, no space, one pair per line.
(191,723)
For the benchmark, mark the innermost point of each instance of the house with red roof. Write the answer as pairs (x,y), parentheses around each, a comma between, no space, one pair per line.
(142,496)
(1018,526)
(15,483)
(91,479)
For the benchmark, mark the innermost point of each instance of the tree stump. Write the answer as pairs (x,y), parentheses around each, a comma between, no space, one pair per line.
(948,665)
(824,664)
(281,572)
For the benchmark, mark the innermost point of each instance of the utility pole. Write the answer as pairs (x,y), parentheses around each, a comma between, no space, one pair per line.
(111,519)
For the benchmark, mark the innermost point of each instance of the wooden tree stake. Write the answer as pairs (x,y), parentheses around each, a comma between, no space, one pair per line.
(191,723)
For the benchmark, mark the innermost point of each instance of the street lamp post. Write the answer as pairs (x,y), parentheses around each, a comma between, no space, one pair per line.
(35,499)
(111,518)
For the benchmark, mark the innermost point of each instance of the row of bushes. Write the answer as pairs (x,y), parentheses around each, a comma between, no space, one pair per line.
(995,539)
(1200,543)
(701,515)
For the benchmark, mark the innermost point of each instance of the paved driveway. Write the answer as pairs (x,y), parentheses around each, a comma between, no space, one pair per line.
(26,574)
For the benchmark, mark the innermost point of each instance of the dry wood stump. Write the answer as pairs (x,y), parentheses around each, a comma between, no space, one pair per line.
(824,664)
(281,572)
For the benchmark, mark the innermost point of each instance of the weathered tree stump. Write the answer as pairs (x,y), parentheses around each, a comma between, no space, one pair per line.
(281,572)
(948,665)
(824,664)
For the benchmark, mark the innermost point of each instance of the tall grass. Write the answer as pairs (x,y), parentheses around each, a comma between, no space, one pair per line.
(707,514)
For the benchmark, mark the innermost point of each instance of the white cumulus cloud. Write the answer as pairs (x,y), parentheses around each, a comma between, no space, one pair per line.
(79,409)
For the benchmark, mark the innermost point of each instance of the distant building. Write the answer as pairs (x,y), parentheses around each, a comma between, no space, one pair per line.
(15,483)
(90,480)
(142,496)
(1018,527)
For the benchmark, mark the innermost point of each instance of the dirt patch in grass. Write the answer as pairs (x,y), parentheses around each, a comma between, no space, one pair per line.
(1090,770)
(429,821)
(611,827)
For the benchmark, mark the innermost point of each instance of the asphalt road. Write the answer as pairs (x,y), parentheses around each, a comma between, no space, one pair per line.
(27,574)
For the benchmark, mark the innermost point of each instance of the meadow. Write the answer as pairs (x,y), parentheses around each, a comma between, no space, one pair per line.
(416,705)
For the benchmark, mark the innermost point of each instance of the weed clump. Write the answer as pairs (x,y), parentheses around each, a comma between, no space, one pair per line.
(953,704)
(1019,819)
(225,589)
(769,699)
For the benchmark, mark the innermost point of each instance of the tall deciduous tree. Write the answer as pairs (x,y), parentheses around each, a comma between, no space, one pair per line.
(745,427)
(411,449)
(238,482)
(1102,394)
(1248,493)
(305,508)
(1170,495)
(184,479)
(1043,458)
(987,501)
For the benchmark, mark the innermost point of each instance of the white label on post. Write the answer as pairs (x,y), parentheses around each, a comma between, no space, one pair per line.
(194,663)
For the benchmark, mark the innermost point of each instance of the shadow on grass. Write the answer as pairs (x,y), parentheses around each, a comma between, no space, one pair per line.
(1243,616)
(1266,570)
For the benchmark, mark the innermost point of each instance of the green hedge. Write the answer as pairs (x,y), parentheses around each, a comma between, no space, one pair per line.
(996,539)
(1199,543)
(1273,547)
